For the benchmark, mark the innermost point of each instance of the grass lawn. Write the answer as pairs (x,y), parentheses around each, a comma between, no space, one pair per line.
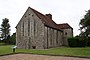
(52,51)
(5,49)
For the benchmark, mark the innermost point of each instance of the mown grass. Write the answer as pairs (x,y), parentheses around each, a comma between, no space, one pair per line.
(5,49)
(84,52)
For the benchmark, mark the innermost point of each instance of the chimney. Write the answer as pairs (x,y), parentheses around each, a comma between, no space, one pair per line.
(49,15)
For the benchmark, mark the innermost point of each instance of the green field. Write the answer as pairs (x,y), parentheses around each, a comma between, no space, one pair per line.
(52,51)
(5,49)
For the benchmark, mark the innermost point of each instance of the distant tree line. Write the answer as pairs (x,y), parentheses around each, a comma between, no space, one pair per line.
(5,33)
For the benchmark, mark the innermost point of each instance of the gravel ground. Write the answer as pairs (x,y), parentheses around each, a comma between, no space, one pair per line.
(38,57)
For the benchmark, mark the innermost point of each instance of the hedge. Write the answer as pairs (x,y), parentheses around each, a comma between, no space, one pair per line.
(88,44)
(77,42)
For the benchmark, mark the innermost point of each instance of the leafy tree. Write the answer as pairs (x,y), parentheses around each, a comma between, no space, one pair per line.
(5,28)
(85,25)
(12,39)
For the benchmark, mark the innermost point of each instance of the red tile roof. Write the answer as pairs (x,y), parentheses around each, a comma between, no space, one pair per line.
(49,22)
(46,20)
(64,26)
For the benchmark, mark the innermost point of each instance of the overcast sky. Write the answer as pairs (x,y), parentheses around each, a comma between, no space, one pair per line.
(63,11)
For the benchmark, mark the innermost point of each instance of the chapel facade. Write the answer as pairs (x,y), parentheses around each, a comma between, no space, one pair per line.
(38,31)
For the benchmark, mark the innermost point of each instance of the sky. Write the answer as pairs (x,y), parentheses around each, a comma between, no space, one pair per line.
(63,11)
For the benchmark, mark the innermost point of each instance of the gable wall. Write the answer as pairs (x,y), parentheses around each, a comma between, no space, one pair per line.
(67,33)
(32,37)
(36,34)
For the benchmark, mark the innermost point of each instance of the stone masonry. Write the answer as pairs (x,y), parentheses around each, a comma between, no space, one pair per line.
(38,31)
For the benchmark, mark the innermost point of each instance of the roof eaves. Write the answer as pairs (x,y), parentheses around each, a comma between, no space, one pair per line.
(54,28)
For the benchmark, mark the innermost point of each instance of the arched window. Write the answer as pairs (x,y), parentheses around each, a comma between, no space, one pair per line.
(23,27)
(28,26)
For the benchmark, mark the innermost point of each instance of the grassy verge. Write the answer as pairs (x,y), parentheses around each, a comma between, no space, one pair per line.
(83,52)
(6,49)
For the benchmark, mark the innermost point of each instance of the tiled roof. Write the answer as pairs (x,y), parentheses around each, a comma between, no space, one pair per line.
(64,26)
(46,20)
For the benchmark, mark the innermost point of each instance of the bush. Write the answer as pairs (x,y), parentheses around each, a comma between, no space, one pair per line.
(88,44)
(1,41)
(10,39)
(82,42)
(77,42)
(72,42)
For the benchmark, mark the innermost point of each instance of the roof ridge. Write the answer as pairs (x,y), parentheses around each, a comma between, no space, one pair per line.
(64,26)
(62,23)
(36,11)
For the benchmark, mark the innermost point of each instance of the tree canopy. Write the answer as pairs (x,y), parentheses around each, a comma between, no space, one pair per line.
(5,28)
(85,25)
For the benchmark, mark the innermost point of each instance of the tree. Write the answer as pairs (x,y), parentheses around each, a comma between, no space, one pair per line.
(85,25)
(5,28)
(12,39)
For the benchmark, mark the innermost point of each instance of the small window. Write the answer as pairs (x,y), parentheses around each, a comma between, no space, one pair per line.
(25,16)
(65,33)
(32,15)
(28,14)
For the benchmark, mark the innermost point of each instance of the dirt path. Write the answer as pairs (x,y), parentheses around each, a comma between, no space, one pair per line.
(37,57)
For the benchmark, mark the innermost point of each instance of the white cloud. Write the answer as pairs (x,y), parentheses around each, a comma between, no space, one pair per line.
(63,11)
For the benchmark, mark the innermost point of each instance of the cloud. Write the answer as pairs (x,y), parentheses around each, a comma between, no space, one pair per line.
(63,11)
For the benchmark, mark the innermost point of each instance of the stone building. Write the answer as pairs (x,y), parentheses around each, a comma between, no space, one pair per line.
(38,31)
